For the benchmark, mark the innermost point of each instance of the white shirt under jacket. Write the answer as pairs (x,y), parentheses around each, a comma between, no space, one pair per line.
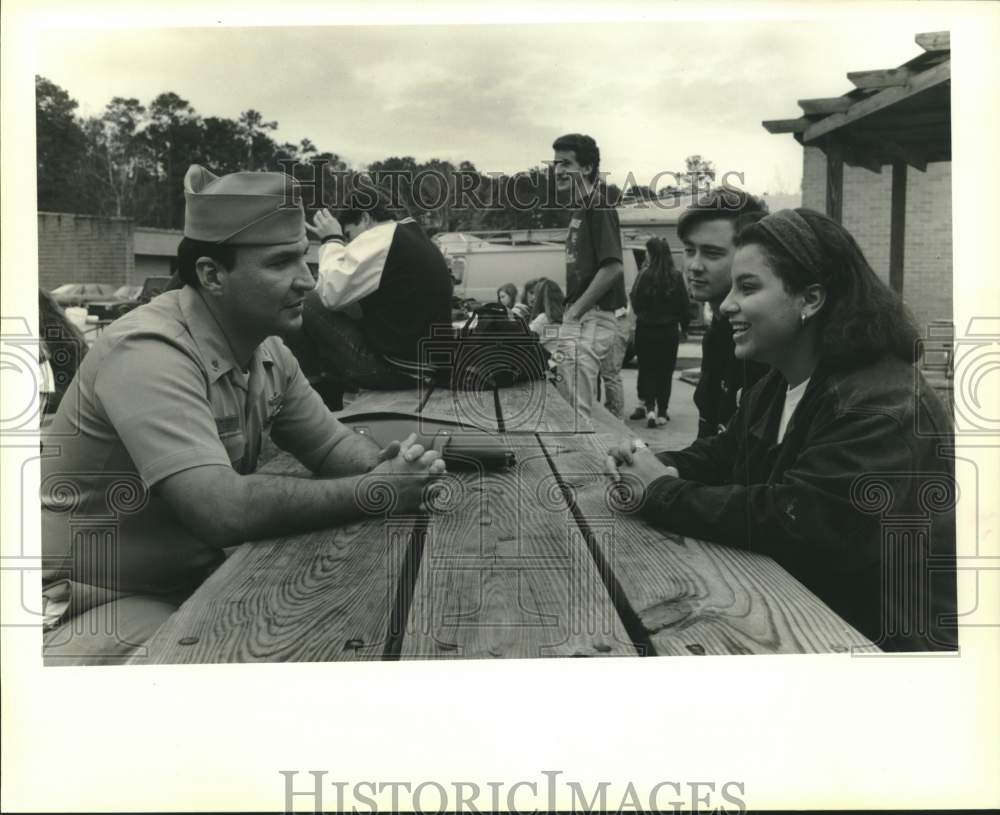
(349,273)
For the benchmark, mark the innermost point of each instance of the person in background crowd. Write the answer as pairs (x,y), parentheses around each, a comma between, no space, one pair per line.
(382,288)
(708,231)
(62,348)
(523,307)
(507,296)
(829,445)
(546,309)
(156,442)
(660,302)
(595,287)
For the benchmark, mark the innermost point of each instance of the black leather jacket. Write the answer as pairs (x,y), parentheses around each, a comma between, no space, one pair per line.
(723,376)
(857,501)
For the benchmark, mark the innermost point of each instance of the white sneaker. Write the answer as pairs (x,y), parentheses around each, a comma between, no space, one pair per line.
(650,419)
(661,420)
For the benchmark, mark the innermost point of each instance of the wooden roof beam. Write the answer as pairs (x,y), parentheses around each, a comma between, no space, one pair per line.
(873,80)
(859,158)
(834,104)
(896,151)
(787,125)
(918,83)
(905,154)
(934,41)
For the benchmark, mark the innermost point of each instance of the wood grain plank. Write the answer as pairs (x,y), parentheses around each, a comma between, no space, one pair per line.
(472,408)
(538,407)
(691,596)
(475,408)
(280,462)
(325,596)
(400,401)
(506,573)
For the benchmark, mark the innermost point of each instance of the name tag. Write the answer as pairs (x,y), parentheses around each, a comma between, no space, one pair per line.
(227,424)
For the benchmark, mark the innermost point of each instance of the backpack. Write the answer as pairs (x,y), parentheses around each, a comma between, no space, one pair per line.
(496,352)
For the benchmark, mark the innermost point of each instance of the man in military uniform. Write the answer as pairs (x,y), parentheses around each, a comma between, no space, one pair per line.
(148,469)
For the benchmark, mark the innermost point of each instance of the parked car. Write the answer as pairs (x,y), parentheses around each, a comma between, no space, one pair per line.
(151,287)
(126,298)
(82,294)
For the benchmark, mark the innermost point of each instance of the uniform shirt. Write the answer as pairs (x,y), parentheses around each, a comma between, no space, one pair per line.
(400,280)
(157,394)
(593,240)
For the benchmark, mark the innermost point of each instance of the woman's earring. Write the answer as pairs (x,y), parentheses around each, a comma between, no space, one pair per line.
(802,317)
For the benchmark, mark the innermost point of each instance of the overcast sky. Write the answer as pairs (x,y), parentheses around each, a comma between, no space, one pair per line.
(650,93)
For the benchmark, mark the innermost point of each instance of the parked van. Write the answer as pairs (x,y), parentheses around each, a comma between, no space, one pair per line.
(482,262)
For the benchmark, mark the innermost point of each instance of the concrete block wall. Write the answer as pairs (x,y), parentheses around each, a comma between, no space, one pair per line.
(84,249)
(927,253)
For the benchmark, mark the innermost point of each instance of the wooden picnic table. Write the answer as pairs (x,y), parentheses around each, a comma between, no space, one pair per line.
(536,560)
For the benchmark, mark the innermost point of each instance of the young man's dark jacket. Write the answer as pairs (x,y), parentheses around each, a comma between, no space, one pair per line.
(723,376)
(857,501)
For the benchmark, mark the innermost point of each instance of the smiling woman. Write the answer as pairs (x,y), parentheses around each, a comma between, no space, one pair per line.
(832,459)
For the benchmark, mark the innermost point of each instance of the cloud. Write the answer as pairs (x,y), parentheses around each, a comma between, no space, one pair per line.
(495,95)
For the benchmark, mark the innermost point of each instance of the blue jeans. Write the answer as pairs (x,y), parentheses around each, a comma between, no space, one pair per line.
(578,350)
(611,370)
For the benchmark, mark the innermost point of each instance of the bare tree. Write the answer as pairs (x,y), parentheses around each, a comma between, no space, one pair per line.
(119,152)
(252,127)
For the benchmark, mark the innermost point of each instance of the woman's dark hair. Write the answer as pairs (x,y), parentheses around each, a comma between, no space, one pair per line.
(862,317)
(660,276)
(549,299)
(511,290)
(63,344)
(529,287)
(188,252)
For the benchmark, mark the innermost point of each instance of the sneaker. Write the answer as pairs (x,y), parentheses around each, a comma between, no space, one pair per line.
(638,413)
(650,419)
(662,420)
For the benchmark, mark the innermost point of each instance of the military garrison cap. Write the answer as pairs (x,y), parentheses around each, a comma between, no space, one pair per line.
(246,209)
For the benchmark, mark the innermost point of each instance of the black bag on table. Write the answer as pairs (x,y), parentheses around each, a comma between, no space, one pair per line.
(496,351)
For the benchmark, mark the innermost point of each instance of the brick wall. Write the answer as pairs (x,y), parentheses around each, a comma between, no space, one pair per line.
(83,249)
(927,262)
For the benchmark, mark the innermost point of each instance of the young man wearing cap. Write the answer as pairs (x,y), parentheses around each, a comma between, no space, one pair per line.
(393,275)
(595,277)
(708,230)
(148,466)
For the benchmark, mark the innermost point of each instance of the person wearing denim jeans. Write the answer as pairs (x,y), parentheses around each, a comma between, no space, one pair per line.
(595,287)
(611,366)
